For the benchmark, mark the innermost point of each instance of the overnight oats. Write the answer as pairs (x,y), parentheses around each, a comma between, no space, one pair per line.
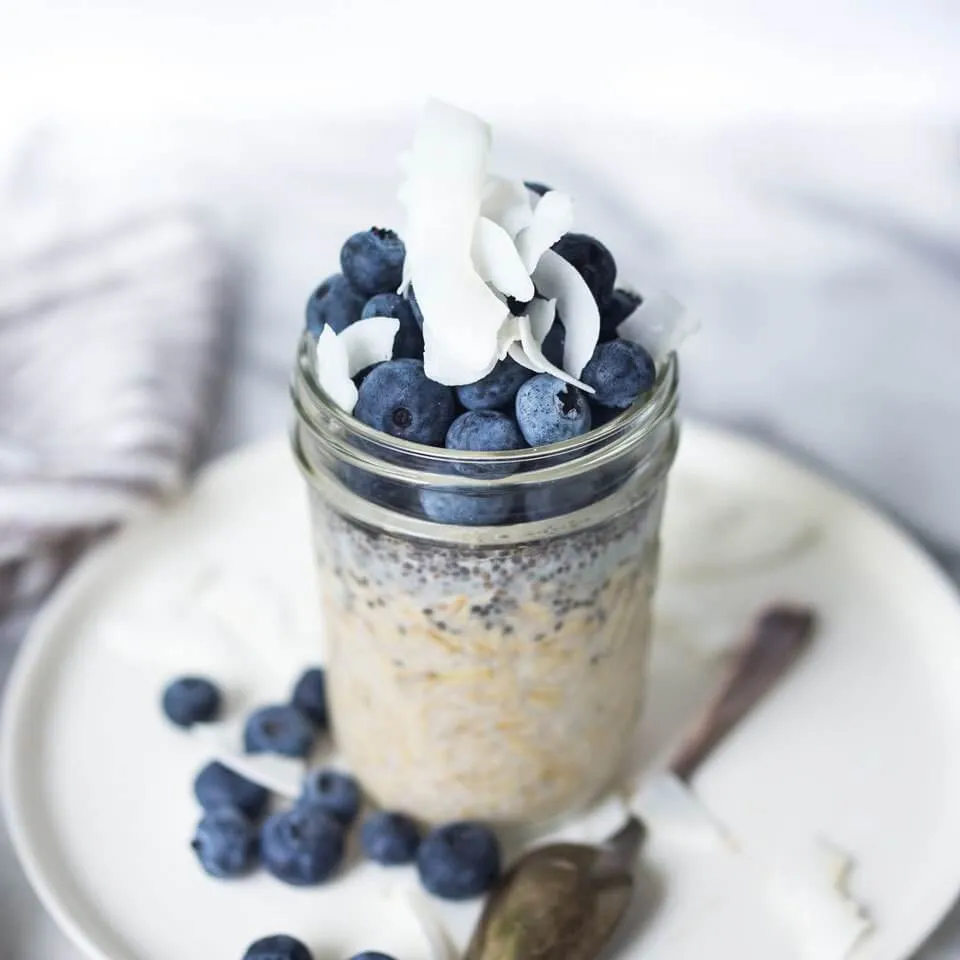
(486,423)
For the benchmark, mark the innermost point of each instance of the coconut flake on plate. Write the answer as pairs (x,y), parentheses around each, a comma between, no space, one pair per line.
(339,358)
(659,324)
(557,279)
(498,262)
(552,218)
(224,739)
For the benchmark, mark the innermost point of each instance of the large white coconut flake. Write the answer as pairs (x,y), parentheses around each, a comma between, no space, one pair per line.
(660,324)
(369,341)
(557,279)
(498,262)
(507,202)
(552,218)
(533,359)
(333,370)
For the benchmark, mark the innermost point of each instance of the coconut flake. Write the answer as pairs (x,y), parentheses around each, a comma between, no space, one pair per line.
(556,278)
(552,218)
(369,341)
(333,370)
(498,262)
(531,349)
(659,324)
(442,194)
(462,317)
(507,202)
(541,314)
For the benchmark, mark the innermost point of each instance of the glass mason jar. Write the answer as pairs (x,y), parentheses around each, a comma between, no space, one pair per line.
(494,672)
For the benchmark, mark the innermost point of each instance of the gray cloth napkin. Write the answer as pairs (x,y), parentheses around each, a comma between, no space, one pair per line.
(110,328)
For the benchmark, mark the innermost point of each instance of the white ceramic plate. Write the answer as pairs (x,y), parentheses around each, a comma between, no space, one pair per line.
(858,748)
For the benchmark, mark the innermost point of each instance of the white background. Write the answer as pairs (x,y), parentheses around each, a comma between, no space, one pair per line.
(698,60)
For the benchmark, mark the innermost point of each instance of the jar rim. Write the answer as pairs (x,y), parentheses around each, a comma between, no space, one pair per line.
(312,403)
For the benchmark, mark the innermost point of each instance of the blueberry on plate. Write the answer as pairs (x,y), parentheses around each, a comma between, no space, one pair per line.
(485,431)
(620,305)
(277,947)
(301,846)
(278,729)
(398,398)
(619,371)
(473,508)
(593,262)
(310,695)
(549,411)
(538,188)
(225,843)
(458,861)
(409,339)
(333,304)
(335,793)
(373,261)
(497,389)
(190,700)
(218,786)
(390,838)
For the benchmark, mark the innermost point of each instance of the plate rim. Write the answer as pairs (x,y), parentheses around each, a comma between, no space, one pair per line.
(85,575)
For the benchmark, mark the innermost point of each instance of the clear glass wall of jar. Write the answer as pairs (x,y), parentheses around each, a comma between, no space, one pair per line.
(493,672)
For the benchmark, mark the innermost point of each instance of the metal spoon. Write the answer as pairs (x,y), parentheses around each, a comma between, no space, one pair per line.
(563,901)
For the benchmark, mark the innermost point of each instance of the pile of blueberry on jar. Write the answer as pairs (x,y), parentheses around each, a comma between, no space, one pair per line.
(511,408)
(303,844)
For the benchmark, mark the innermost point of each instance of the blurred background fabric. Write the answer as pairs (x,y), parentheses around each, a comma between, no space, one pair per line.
(789,171)
(110,323)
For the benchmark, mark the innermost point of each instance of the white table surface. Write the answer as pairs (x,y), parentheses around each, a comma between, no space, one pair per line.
(823,257)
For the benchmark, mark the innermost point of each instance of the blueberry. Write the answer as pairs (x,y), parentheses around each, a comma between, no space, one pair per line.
(336,794)
(301,846)
(620,305)
(538,188)
(484,430)
(190,700)
(335,304)
(560,497)
(459,860)
(310,696)
(409,339)
(553,344)
(278,729)
(371,955)
(417,312)
(225,843)
(380,490)
(593,261)
(599,414)
(398,398)
(497,389)
(482,508)
(373,261)
(358,378)
(619,371)
(549,410)
(277,947)
(390,838)
(219,786)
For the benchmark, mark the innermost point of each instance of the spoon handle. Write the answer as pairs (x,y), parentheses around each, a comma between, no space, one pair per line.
(778,638)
